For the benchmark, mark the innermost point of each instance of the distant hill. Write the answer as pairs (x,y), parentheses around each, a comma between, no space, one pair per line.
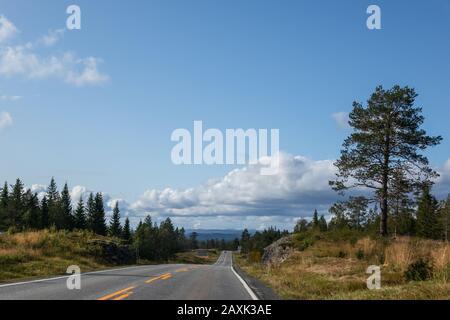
(208,234)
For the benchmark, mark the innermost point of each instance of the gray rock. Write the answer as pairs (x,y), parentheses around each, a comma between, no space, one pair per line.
(278,252)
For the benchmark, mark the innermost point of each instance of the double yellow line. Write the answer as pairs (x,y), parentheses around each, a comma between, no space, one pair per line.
(125,293)
(119,295)
(161,277)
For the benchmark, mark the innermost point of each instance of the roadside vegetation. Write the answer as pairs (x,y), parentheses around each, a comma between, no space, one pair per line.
(388,216)
(44,236)
(43,253)
(333,265)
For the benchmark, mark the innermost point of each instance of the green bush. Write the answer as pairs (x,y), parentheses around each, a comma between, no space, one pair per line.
(419,270)
(360,254)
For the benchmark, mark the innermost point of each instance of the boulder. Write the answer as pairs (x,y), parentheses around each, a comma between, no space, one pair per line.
(278,252)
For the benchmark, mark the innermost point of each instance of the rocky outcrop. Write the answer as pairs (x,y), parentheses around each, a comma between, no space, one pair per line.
(278,251)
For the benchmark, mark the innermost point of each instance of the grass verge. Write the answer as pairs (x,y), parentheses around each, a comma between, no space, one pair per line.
(336,269)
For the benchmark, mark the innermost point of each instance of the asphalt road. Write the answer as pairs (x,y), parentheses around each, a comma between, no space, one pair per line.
(157,282)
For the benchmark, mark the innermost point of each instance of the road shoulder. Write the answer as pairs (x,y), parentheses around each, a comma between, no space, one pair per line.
(262,291)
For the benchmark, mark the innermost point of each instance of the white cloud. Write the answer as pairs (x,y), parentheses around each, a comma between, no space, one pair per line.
(89,75)
(442,188)
(5,120)
(341,119)
(23,61)
(52,37)
(7,29)
(243,198)
(300,187)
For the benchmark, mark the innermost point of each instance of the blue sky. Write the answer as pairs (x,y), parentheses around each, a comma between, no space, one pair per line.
(96,106)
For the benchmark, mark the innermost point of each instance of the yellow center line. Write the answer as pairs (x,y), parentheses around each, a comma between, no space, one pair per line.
(126,295)
(182,270)
(116,293)
(168,276)
(158,277)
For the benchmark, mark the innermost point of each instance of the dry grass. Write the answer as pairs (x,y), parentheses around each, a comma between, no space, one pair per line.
(337,270)
(43,253)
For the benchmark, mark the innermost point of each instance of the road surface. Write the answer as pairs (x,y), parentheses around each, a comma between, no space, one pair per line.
(157,282)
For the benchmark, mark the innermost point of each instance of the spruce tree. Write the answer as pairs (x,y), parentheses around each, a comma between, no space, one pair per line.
(315,221)
(428,225)
(53,201)
(115,229)
(32,216)
(79,219)
(4,195)
(387,139)
(66,217)
(91,212)
(45,219)
(99,223)
(323,224)
(126,232)
(16,205)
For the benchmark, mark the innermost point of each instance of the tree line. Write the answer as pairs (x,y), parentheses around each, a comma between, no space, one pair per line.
(426,217)
(22,210)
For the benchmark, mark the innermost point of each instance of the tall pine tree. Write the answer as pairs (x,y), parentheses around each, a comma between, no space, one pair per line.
(4,195)
(115,229)
(32,216)
(90,212)
(387,139)
(126,232)
(66,218)
(428,224)
(79,218)
(53,202)
(45,214)
(99,223)
(16,205)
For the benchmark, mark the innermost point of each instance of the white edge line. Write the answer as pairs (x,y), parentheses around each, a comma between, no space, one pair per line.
(249,290)
(64,277)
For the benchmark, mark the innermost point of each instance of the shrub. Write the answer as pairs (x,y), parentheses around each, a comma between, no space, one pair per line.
(342,254)
(360,254)
(419,270)
(254,257)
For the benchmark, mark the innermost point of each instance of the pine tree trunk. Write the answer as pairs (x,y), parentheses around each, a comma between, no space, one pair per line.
(384,215)
(384,190)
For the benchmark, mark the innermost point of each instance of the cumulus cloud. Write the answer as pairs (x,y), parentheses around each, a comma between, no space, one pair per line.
(341,119)
(7,29)
(300,187)
(243,198)
(5,120)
